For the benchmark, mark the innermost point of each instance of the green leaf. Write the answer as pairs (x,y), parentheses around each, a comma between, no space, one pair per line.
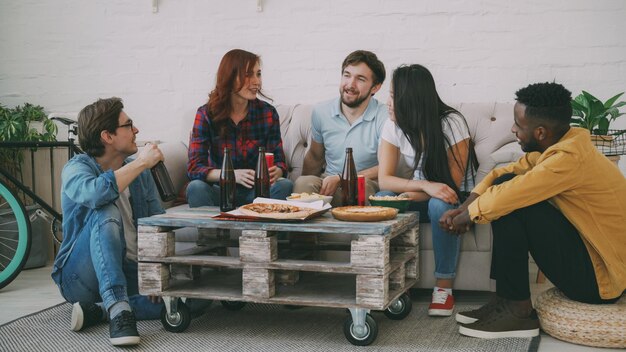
(578,106)
(596,109)
(582,100)
(609,103)
(51,128)
(590,97)
(614,117)
(619,105)
(603,126)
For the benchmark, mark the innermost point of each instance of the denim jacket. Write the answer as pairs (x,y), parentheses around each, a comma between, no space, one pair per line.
(86,187)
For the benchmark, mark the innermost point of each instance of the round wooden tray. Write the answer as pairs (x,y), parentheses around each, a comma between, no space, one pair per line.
(364,213)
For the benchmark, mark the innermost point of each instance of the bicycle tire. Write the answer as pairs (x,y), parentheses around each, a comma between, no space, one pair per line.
(15,235)
(56,227)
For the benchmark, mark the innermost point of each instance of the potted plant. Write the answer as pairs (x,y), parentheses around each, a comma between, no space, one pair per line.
(591,113)
(23,123)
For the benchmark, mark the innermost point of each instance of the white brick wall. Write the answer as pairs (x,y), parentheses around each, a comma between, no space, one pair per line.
(64,54)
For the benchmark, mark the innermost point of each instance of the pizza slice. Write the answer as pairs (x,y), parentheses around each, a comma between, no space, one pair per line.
(275,211)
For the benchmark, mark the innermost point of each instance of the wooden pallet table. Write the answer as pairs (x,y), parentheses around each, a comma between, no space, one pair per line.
(372,271)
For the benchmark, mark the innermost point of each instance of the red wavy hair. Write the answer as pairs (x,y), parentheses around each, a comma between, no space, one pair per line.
(231,76)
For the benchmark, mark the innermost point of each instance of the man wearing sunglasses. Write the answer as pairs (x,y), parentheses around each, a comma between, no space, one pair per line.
(103,194)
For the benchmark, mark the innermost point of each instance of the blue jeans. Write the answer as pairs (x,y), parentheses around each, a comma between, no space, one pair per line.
(445,245)
(97,269)
(201,193)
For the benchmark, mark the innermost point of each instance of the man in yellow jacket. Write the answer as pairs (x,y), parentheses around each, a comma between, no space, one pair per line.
(563,202)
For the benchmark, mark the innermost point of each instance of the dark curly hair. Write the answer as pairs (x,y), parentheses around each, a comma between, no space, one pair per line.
(549,102)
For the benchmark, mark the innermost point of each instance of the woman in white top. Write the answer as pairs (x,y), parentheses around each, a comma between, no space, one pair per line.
(433,139)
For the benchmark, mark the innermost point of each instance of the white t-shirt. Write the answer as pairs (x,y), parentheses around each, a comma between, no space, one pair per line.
(455,129)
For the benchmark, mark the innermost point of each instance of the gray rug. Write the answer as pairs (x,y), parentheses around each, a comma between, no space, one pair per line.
(255,328)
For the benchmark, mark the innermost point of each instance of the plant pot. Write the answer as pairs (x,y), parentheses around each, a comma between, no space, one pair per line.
(602,140)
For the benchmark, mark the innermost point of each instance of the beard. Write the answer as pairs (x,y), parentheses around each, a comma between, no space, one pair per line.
(356,102)
(531,146)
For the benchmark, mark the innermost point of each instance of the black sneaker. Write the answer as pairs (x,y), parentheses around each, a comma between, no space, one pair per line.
(123,329)
(85,315)
(471,316)
(501,322)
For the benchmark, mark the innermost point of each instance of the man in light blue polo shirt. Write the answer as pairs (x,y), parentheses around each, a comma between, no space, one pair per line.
(355,120)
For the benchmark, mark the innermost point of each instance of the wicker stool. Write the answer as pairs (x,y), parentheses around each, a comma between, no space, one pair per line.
(600,325)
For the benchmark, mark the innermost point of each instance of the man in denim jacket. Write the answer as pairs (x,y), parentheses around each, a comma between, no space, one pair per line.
(103,194)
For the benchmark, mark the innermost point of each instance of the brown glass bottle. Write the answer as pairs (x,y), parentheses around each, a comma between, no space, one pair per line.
(227,183)
(163,182)
(261,176)
(349,186)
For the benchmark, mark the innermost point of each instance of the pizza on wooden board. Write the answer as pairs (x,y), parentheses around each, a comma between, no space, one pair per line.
(275,211)
(364,213)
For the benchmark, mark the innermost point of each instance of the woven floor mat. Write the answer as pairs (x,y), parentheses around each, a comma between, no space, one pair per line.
(256,327)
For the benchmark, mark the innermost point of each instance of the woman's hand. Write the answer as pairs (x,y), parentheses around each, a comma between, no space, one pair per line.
(441,191)
(275,173)
(245,177)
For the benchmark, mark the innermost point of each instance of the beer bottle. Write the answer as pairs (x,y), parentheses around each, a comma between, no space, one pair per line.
(261,176)
(163,182)
(349,188)
(227,183)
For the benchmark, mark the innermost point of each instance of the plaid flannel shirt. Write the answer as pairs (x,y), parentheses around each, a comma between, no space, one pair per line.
(260,128)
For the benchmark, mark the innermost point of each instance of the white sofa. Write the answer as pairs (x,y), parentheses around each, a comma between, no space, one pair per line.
(495,145)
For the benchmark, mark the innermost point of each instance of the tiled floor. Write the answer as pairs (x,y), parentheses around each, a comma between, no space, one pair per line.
(33,290)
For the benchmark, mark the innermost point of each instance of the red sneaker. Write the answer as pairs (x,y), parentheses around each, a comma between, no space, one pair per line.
(442,304)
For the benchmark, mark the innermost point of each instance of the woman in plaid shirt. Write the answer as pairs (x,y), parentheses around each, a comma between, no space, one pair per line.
(234,117)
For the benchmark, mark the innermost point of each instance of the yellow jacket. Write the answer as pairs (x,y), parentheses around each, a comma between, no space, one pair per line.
(583,184)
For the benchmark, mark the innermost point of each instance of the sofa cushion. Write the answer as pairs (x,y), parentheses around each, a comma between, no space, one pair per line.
(295,129)
(506,154)
(490,128)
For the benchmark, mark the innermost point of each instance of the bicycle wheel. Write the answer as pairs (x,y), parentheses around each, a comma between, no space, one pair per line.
(14,235)
(56,227)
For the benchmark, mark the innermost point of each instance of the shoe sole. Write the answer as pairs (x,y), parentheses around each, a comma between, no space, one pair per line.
(78,317)
(460,318)
(124,341)
(497,334)
(439,312)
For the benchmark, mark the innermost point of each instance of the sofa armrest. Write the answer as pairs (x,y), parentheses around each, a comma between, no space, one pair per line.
(506,154)
(502,156)
(295,126)
(175,154)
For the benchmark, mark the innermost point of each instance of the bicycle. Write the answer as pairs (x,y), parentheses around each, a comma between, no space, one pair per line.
(15,231)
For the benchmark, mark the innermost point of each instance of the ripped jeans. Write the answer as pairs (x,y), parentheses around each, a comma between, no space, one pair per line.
(97,269)
(446,246)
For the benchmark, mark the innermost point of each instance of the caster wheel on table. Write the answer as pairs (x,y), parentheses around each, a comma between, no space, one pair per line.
(399,309)
(364,337)
(177,322)
(233,305)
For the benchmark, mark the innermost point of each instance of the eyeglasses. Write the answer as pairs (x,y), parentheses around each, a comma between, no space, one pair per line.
(127,124)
